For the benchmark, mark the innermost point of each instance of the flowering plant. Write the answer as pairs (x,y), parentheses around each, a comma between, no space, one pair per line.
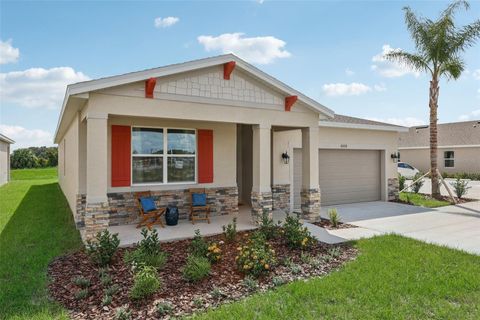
(256,256)
(214,252)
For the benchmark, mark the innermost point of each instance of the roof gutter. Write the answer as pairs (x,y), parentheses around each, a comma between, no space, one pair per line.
(328,124)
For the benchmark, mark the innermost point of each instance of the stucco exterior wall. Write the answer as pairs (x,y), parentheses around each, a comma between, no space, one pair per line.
(68,164)
(466,159)
(4,162)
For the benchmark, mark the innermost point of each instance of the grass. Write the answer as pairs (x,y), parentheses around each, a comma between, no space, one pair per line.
(36,225)
(422,200)
(393,278)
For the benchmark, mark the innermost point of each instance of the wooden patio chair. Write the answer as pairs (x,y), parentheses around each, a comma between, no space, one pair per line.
(198,212)
(149,218)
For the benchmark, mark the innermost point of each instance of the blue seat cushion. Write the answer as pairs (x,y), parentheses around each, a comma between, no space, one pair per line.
(199,199)
(148,204)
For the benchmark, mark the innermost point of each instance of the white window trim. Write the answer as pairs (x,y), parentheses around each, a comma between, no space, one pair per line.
(165,156)
(453,159)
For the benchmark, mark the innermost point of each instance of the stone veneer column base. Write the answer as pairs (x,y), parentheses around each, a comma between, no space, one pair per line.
(96,219)
(393,189)
(281,197)
(261,203)
(310,204)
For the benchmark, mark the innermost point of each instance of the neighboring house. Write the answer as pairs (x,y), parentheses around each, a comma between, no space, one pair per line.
(458,147)
(5,159)
(218,123)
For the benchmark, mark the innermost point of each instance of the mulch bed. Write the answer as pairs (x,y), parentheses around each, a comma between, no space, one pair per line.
(325,223)
(185,297)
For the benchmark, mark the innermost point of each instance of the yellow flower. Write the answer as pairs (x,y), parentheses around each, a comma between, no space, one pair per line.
(266,266)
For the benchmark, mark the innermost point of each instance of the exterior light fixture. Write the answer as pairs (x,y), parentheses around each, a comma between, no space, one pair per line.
(285,157)
(395,156)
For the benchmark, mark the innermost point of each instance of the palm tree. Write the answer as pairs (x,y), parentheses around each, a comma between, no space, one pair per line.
(439,45)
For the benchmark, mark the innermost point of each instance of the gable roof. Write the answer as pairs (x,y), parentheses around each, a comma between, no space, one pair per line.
(342,121)
(107,82)
(449,134)
(6,139)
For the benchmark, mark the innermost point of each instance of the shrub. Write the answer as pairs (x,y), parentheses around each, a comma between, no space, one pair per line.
(148,252)
(82,282)
(401,181)
(460,187)
(196,268)
(145,283)
(256,256)
(123,313)
(462,175)
(150,244)
(230,231)
(267,227)
(81,294)
(198,247)
(417,185)
(214,252)
(334,217)
(296,235)
(101,250)
(163,308)
(251,284)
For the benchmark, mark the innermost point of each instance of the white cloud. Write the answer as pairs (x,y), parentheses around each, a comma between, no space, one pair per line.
(349,72)
(406,122)
(350,89)
(27,137)
(261,50)
(474,115)
(390,69)
(38,87)
(165,22)
(8,53)
(476,74)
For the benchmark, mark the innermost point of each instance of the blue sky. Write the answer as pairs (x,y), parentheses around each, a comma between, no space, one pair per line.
(330,51)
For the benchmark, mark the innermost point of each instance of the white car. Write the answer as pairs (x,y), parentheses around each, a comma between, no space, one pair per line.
(407,170)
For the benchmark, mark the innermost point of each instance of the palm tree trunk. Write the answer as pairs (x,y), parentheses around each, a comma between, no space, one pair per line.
(433,104)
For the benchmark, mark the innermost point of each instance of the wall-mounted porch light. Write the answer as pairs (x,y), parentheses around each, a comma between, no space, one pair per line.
(395,157)
(285,157)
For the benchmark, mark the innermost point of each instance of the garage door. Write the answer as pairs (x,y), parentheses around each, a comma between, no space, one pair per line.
(345,176)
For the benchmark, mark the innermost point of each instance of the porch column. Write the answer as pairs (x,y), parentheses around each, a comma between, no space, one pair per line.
(310,194)
(261,191)
(96,211)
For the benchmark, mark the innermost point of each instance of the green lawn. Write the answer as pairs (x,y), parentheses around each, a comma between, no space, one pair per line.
(36,225)
(422,200)
(393,278)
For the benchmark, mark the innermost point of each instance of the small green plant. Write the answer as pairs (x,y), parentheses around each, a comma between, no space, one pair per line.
(460,187)
(112,290)
(256,256)
(278,281)
(82,282)
(296,269)
(106,300)
(214,252)
(267,227)
(196,268)
(198,302)
(296,235)
(123,313)
(198,247)
(148,252)
(287,262)
(306,257)
(81,294)
(401,181)
(216,293)
(145,283)
(315,262)
(230,231)
(334,217)
(102,249)
(335,252)
(417,185)
(163,308)
(105,279)
(251,284)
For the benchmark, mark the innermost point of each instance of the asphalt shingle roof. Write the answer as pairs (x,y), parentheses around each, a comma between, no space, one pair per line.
(352,120)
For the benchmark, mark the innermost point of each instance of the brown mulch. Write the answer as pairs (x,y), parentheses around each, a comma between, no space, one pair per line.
(325,223)
(185,297)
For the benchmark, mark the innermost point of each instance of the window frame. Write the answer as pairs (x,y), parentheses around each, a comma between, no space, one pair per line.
(164,157)
(450,159)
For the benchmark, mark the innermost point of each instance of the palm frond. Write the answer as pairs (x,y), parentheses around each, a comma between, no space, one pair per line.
(454,6)
(453,68)
(418,28)
(466,37)
(412,60)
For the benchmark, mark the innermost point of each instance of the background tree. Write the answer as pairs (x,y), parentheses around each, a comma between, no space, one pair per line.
(34,157)
(23,158)
(439,45)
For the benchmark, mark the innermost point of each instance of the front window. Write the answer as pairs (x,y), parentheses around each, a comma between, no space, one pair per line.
(449,159)
(153,163)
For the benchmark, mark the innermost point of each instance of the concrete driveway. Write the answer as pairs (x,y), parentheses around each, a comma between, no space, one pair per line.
(456,227)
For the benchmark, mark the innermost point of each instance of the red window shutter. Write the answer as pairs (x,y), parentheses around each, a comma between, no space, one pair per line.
(205,156)
(121,166)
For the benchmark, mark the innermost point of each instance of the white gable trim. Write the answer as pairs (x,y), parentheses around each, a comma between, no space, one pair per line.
(442,147)
(328,124)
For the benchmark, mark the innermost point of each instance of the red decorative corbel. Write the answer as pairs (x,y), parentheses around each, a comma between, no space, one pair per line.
(149,86)
(289,101)
(228,69)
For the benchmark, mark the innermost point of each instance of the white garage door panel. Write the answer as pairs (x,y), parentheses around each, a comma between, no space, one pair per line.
(345,176)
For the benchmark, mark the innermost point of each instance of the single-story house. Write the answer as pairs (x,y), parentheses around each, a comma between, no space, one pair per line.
(458,147)
(218,123)
(5,143)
